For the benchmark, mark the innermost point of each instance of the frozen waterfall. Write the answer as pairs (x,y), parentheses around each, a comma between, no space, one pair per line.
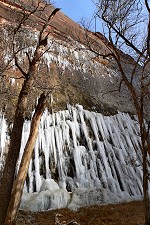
(83,149)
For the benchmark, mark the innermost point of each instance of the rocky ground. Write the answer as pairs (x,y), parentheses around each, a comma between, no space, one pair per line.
(122,214)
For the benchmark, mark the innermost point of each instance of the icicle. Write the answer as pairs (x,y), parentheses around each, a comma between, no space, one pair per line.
(37,166)
(83,149)
(3,134)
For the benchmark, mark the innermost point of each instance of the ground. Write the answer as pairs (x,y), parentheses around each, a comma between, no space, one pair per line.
(121,214)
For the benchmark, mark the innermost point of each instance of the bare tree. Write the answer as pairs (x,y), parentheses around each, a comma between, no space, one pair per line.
(28,74)
(23,169)
(123,20)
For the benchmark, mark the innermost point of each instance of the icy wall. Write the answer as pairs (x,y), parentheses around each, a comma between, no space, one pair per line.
(70,54)
(82,149)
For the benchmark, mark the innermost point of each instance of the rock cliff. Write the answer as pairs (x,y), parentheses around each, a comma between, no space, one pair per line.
(70,66)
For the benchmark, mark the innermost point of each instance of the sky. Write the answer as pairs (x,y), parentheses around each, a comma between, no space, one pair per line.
(76,9)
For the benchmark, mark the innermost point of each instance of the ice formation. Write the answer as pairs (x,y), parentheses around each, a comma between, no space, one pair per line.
(3,139)
(49,197)
(71,55)
(3,133)
(82,149)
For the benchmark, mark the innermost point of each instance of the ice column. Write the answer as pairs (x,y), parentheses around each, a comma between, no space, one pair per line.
(79,148)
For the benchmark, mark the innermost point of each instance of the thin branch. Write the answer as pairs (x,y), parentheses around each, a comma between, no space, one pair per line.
(122,36)
(20,68)
(134,69)
(47,23)
(120,85)
(29,59)
(147,6)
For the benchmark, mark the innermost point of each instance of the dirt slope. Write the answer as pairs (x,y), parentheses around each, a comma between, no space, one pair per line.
(122,214)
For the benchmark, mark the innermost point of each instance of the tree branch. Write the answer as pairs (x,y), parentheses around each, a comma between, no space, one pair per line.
(20,68)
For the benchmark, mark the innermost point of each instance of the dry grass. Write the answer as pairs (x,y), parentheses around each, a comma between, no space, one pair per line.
(122,214)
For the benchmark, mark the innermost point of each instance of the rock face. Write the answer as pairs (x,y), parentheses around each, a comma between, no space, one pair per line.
(69,67)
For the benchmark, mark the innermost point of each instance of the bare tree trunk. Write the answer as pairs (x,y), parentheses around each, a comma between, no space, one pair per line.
(145,189)
(7,179)
(145,183)
(21,177)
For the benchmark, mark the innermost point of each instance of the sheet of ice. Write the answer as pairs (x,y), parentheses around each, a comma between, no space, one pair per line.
(82,149)
(45,200)
(56,198)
